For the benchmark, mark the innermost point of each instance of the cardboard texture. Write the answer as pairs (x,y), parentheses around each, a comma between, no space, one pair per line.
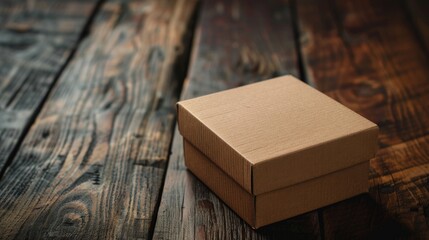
(277,148)
(276,133)
(274,206)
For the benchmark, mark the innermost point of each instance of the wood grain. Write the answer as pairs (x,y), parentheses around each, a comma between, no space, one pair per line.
(93,163)
(366,55)
(236,43)
(36,39)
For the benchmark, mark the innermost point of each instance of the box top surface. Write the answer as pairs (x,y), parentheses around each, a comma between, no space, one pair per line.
(274,117)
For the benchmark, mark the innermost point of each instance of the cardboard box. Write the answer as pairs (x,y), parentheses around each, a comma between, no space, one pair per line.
(280,204)
(276,134)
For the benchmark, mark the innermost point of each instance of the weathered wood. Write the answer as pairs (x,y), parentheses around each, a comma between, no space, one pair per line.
(93,163)
(36,39)
(236,43)
(366,55)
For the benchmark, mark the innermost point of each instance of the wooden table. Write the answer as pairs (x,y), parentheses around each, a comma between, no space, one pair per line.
(87,111)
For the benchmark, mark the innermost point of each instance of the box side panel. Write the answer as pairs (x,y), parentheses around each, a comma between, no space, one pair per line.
(307,196)
(238,199)
(211,145)
(313,162)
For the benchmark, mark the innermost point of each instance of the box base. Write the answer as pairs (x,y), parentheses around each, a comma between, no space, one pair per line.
(281,204)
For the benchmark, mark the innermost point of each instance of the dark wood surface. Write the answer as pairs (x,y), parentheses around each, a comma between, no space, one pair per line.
(367,56)
(36,40)
(92,164)
(88,146)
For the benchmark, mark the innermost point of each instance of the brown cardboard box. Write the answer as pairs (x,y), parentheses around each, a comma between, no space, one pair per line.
(278,140)
(280,204)
(276,133)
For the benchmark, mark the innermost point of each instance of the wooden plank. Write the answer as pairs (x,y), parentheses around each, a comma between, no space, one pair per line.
(366,55)
(347,68)
(93,163)
(236,43)
(36,39)
(396,125)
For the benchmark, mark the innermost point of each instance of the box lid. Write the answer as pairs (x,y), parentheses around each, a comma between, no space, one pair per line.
(276,133)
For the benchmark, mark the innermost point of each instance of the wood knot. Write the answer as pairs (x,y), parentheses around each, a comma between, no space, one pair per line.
(72,219)
(363,93)
(252,62)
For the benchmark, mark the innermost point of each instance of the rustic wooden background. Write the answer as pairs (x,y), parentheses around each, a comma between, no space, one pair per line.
(88,146)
